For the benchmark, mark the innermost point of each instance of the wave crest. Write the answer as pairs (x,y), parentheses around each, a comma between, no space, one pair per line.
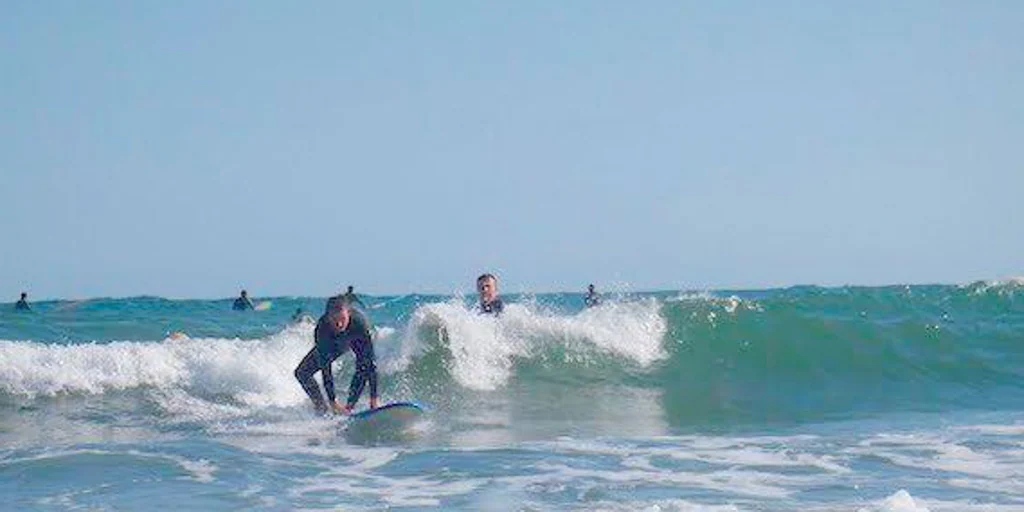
(481,350)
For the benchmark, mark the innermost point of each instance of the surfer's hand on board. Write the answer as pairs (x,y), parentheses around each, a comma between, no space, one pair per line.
(340,409)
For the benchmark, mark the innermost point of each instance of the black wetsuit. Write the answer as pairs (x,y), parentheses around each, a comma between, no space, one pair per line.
(332,344)
(495,307)
(22,305)
(592,299)
(242,304)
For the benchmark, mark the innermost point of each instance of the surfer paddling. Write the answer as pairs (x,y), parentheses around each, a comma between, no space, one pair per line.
(340,329)
(22,304)
(242,303)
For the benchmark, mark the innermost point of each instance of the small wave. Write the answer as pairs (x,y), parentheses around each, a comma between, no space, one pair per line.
(258,372)
(483,349)
(798,354)
(255,372)
(901,501)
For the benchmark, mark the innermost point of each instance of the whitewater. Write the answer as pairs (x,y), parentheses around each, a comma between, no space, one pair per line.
(895,398)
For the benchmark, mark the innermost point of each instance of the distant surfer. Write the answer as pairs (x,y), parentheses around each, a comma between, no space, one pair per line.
(22,304)
(298,316)
(593,298)
(350,297)
(490,302)
(340,329)
(242,303)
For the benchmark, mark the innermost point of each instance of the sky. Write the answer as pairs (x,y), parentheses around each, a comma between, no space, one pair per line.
(189,149)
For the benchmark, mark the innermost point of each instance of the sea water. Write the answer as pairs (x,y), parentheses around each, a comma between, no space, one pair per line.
(899,398)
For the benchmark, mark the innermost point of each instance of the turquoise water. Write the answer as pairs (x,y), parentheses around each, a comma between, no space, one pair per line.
(901,398)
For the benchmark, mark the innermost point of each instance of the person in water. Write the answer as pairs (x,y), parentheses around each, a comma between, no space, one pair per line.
(22,304)
(340,329)
(297,317)
(242,303)
(593,298)
(490,302)
(351,298)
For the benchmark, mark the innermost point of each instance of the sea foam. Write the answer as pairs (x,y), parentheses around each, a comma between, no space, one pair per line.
(484,348)
(256,372)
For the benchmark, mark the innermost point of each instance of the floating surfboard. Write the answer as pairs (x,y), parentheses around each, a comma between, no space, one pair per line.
(389,422)
(263,306)
(394,412)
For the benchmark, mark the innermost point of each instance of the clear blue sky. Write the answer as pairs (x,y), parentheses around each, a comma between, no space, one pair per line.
(186,149)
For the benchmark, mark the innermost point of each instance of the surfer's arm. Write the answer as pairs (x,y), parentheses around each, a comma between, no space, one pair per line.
(371,377)
(329,387)
(325,357)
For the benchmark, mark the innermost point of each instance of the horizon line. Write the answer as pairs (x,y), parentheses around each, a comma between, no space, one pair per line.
(619,290)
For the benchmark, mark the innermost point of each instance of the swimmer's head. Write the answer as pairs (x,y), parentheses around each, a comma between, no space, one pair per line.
(487,286)
(24,295)
(244,293)
(350,289)
(337,305)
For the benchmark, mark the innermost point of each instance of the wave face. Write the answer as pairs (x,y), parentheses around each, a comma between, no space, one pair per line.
(810,353)
(687,360)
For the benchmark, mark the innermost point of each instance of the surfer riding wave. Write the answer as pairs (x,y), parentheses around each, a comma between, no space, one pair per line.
(340,329)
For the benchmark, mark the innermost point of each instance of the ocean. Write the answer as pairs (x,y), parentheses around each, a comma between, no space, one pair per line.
(894,398)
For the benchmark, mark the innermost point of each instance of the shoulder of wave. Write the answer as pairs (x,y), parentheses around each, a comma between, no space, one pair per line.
(1006,282)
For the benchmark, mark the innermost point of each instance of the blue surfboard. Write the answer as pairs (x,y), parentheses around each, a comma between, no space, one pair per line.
(390,423)
(395,411)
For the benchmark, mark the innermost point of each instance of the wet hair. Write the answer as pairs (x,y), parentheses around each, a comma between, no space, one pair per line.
(335,303)
(23,295)
(244,292)
(350,289)
(485,276)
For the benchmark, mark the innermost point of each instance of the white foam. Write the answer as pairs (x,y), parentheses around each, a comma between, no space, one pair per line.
(730,304)
(411,491)
(484,348)
(756,484)
(742,473)
(760,452)
(251,372)
(901,501)
(735,473)
(1007,285)
(671,505)
(690,296)
(939,453)
(258,373)
(1000,430)
(38,428)
(199,470)
(995,467)
(935,505)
